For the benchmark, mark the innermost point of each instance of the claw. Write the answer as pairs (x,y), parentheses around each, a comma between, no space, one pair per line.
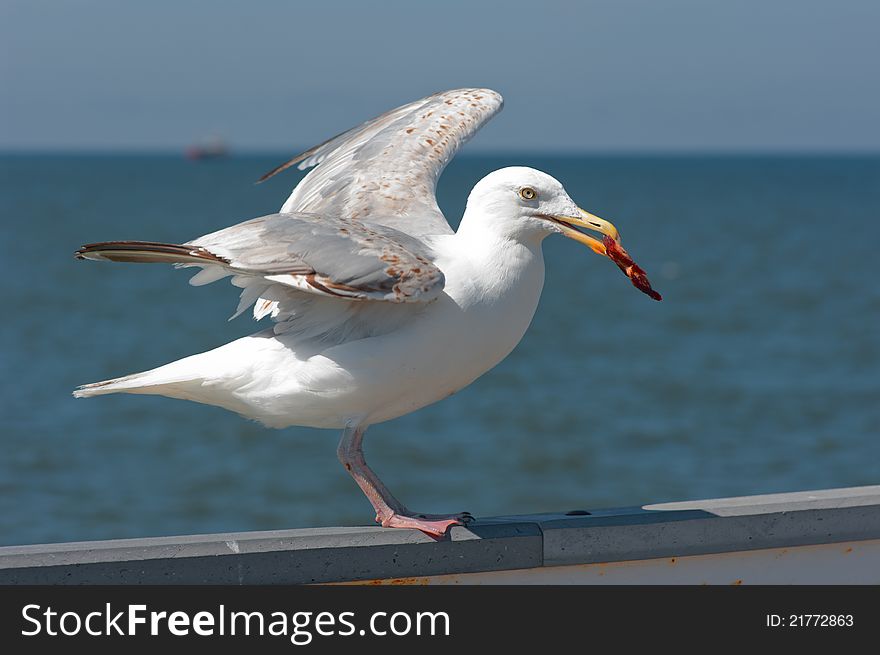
(434,525)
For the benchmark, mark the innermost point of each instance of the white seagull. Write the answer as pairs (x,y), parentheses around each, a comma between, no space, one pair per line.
(379,307)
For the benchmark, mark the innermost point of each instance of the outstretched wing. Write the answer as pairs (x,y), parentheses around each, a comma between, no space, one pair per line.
(329,256)
(385,171)
(283,260)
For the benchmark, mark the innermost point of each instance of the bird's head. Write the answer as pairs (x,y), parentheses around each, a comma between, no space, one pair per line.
(525,203)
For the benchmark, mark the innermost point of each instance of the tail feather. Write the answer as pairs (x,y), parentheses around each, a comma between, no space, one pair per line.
(211,377)
(172,380)
(148,252)
(126,383)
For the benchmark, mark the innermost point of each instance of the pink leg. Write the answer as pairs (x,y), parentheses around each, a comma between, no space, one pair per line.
(390,512)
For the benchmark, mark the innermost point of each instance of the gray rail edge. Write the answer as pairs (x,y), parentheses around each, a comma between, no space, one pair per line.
(317,555)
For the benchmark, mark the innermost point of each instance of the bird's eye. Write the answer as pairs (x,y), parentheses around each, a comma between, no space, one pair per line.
(528,193)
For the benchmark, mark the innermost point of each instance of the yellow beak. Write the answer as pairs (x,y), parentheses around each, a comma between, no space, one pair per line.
(588,221)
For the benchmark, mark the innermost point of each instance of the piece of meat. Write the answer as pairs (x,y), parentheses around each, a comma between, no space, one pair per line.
(633,271)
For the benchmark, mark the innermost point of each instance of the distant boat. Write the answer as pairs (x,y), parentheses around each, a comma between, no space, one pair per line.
(213,148)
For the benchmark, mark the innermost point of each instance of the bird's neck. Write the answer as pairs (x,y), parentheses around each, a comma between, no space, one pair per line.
(492,263)
(479,224)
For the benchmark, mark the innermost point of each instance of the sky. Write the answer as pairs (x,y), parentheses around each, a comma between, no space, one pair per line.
(609,76)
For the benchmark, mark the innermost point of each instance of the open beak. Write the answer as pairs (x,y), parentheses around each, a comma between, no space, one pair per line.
(587,221)
(571,227)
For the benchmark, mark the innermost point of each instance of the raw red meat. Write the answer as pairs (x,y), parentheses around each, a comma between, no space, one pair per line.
(633,271)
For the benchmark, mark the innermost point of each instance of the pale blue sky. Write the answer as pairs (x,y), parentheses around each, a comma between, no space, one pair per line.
(601,76)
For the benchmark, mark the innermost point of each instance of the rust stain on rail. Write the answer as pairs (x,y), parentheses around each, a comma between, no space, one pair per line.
(391,581)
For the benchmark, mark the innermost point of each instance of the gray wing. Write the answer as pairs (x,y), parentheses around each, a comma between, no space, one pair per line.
(334,257)
(316,276)
(291,255)
(385,171)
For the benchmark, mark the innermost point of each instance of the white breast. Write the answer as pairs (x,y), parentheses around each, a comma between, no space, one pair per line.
(492,291)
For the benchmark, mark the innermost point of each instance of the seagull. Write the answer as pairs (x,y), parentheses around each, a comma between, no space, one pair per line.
(379,308)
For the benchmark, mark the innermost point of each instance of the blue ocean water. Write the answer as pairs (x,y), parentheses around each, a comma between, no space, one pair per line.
(759,372)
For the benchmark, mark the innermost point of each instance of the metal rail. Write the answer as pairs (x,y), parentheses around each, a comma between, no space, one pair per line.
(815,536)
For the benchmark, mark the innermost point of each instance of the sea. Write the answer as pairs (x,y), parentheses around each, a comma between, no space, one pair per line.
(758,373)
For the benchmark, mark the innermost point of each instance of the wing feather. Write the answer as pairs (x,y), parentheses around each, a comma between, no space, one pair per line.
(385,171)
(329,256)
(282,259)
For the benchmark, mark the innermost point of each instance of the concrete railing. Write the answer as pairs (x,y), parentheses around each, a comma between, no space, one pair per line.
(821,536)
